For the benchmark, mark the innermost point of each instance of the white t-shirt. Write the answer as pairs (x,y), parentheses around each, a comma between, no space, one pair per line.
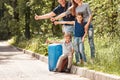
(67,48)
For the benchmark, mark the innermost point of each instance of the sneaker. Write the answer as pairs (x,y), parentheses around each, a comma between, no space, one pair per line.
(85,63)
(78,63)
(67,70)
(55,70)
(92,61)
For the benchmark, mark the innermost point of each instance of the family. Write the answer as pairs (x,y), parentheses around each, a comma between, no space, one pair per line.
(76,21)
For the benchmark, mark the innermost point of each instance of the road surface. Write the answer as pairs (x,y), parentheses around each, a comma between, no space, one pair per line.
(15,65)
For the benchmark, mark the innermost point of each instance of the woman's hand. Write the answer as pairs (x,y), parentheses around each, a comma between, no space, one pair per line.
(52,19)
(87,26)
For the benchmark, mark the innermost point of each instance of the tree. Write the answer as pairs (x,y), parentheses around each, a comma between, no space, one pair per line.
(27,20)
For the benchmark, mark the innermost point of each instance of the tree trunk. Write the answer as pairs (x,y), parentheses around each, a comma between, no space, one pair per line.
(27,22)
(2,11)
(53,26)
(16,13)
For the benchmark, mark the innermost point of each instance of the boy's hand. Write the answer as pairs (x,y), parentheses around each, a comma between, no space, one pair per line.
(47,41)
(83,39)
(55,22)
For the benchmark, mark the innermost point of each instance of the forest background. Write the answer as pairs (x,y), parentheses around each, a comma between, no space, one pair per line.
(17,24)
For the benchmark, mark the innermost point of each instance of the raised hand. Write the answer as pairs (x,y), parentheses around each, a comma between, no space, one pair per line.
(37,17)
(52,19)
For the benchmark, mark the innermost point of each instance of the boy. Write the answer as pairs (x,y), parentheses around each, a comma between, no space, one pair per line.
(67,52)
(80,33)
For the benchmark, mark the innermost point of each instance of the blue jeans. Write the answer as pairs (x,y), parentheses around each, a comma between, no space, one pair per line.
(68,28)
(91,40)
(79,49)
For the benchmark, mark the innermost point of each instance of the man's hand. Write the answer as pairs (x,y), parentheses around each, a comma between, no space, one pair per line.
(37,17)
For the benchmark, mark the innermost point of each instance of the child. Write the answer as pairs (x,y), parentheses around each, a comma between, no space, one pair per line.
(80,33)
(67,52)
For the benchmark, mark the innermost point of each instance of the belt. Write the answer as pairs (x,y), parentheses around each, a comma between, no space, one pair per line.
(68,24)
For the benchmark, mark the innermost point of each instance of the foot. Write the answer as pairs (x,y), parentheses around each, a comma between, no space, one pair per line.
(92,61)
(85,63)
(67,70)
(55,70)
(78,63)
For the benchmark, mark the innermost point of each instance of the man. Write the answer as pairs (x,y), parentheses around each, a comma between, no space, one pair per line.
(62,7)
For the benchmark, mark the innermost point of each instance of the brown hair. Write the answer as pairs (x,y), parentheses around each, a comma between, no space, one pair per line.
(80,14)
(74,7)
(74,4)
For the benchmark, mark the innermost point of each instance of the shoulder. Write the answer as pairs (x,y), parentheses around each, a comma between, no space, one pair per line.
(84,23)
(71,44)
(85,4)
(59,6)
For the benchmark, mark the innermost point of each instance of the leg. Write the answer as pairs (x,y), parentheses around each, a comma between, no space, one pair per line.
(76,47)
(70,57)
(91,42)
(68,29)
(59,63)
(81,49)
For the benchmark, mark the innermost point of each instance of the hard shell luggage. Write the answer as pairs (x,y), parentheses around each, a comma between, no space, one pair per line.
(54,52)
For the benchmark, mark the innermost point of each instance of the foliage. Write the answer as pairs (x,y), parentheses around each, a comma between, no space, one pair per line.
(36,44)
(107,55)
(106,20)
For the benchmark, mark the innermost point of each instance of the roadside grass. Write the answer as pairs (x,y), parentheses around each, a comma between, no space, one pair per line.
(107,52)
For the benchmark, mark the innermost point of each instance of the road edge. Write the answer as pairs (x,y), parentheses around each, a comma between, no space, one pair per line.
(83,72)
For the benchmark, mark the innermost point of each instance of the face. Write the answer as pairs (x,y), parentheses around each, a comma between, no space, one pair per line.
(61,1)
(77,1)
(79,18)
(67,38)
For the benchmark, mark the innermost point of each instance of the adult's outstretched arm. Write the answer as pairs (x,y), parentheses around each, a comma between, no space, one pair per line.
(45,16)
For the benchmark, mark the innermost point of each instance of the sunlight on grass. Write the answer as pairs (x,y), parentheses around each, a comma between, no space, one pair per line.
(106,51)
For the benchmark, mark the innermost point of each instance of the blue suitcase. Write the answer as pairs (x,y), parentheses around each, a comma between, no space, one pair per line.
(54,52)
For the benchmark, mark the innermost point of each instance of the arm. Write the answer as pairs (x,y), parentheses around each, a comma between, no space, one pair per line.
(62,14)
(58,17)
(89,21)
(90,16)
(45,16)
(48,41)
(86,31)
(72,51)
(64,22)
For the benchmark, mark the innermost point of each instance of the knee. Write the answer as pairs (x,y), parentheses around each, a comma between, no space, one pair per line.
(90,36)
(61,57)
(69,57)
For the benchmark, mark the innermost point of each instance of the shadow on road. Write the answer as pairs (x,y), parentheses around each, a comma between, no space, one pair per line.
(7,49)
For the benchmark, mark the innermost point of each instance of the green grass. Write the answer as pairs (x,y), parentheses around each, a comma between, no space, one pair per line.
(107,55)
(107,52)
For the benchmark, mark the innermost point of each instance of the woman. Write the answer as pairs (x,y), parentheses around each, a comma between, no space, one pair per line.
(79,6)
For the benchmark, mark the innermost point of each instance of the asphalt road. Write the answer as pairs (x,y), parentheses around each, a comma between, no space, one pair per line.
(15,65)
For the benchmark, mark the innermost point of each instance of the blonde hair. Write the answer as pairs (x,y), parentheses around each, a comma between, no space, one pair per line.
(68,34)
